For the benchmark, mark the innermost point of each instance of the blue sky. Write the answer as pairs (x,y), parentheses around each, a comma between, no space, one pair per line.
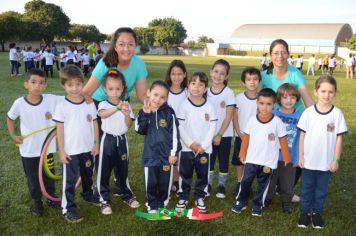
(216,19)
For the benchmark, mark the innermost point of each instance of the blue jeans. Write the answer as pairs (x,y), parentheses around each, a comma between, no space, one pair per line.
(14,67)
(313,191)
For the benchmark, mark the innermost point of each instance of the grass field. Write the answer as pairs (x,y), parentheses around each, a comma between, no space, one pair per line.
(15,217)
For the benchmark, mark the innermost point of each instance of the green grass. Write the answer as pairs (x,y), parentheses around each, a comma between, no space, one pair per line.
(15,218)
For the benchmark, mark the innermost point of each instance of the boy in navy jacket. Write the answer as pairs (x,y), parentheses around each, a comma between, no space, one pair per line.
(158,122)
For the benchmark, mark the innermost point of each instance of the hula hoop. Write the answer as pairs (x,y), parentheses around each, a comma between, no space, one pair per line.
(34,132)
(44,165)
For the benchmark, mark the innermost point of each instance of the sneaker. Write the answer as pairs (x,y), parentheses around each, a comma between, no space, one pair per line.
(53,204)
(153,211)
(132,202)
(317,221)
(256,212)
(37,209)
(236,189)
(72,217)
(181,205)
(106,209)
(199,203)
(221,192)
(238,208)
(209,190)
(93,200)
(304,220)
(295,198)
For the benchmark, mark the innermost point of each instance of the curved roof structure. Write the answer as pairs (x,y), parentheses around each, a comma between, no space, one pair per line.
(335,32)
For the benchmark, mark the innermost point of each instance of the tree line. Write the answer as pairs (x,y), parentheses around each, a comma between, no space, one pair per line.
(46,21)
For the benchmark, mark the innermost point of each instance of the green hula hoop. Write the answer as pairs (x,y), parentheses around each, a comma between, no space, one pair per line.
(46,166)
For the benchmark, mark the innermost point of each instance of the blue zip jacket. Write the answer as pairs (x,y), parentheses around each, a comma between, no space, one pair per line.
(162,135)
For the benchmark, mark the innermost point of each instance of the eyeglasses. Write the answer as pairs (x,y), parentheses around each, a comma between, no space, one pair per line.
(127,45)
(282,53)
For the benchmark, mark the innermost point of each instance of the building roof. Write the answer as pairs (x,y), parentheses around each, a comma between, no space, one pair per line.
(337,32)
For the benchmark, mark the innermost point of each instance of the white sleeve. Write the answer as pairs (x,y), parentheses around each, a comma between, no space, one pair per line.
(341,127)
(231,99)
(14,111)
(303,122)
(93,111)
(59,115)
(184,134)
(208,141)
(281,128)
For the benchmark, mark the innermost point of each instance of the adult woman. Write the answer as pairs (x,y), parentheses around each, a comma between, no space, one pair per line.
(280,72)
(121,55)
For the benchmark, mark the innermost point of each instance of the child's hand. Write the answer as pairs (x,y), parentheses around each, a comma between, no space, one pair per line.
(172,160)
(334,166)
(17,139)
(242,160)
(201,150)
(124,108)
(301,162)
(194,147)
(64,157)
(146,106)
(216,140)
(95,150)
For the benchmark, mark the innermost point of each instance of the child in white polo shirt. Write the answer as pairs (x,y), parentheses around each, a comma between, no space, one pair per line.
(320,144)
(263,135)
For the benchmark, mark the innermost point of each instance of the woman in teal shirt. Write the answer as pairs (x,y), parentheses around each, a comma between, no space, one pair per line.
(280,72)
(121,55)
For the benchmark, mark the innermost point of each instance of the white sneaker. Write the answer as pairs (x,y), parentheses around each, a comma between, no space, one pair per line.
(181,205)
(152,211)
(106,209)
(133,203)
(295,198)
(200,205)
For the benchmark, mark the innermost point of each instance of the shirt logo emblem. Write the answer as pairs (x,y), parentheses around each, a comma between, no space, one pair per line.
(207,117)
(89,118)
(331,127)
(203,160)
(223,104)
(163,123)
(166,168)
(271,137)
(48,115)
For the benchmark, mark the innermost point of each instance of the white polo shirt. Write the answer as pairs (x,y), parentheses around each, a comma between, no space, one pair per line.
(175,99)
(246,108)
(321,130)
(221,101)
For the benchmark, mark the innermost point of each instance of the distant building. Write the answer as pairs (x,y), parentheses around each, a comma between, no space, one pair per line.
(302,38)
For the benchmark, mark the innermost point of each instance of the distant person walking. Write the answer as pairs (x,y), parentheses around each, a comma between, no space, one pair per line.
(349,64)
(14,60)
(264,61)
(311,62)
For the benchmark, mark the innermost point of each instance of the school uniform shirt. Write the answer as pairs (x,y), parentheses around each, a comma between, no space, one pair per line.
(78,125)
(221,101)
(70,55)
(246,108)
(86,59)
(34,117)
(114,124)
(263,148)
(49,57)
(30,55)
(291,121)
(175,99)
(13,56)
(161,135)
(321,130)
(196,124)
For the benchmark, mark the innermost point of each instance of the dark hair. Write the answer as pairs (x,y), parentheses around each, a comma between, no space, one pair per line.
(202,78)
(70,72)
(180,64)
(117,75)
(289,89)
(223,63)
(111,58)
(325,79)
(12,45)
(250,71)
(267,92)
(273,44)
(159,83)
(34,71)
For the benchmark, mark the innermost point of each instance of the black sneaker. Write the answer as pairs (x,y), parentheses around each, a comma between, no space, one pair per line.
(221,192)
(53,204)
(238,208)
(72,217)
(92,199)
(236,189)
(317,221)
(256,212)
(304,220)
(37,208)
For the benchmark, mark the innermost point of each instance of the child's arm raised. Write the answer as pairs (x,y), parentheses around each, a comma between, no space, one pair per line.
(126,110)
(337,153)
(11,128)
(142,122)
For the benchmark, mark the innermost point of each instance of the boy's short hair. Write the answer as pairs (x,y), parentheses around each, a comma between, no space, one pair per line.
(267,92)
(250,71)
(34,71)
(70,72)
(289,89)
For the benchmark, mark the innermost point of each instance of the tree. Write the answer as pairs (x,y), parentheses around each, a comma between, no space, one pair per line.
(168,32)
(203,40)
(10,27)
(144,35)
(53,21)
(86,33)
(352,42)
